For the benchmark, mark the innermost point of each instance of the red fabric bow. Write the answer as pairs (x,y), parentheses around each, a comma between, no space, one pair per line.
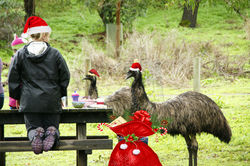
(142,116)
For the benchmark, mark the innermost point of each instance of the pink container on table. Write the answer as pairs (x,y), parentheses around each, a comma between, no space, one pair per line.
(75,96)
(12,102)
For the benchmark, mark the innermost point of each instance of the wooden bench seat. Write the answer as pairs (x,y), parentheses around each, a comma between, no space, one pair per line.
(81,143)
(61,138)
(87,144)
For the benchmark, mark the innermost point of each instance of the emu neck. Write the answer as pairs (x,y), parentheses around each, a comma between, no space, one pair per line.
(93,93)
(139,97)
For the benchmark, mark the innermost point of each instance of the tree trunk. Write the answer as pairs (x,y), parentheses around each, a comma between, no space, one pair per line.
(29,7)
(189,16)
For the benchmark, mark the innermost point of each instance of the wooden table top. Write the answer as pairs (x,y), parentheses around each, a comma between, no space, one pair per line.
(79,115)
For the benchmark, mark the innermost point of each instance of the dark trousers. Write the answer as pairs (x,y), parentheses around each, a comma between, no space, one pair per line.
(44,120)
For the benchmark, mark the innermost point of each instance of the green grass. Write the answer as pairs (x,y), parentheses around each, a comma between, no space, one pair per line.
(68,25)
(214,24)
(170,150)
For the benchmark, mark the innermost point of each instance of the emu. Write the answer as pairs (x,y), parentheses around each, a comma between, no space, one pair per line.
(119,101)
(191,113)
(93,92)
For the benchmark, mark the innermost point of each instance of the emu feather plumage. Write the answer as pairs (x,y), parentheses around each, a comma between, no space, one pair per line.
(119,101)
(191,113)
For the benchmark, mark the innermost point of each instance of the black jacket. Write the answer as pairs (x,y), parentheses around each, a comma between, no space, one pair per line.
(39,81)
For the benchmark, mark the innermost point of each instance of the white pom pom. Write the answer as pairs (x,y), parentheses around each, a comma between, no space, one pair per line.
(123,146)
(136,151)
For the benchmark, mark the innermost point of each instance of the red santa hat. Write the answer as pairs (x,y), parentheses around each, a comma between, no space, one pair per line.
(34,25)
(135,66)
(93,71)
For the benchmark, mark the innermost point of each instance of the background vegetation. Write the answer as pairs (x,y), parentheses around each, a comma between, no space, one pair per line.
(165,51)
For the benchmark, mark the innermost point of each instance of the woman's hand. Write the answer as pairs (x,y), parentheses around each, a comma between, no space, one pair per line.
(62,103)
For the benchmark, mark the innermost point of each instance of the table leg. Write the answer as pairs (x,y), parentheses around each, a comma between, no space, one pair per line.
(2,154)
(81,130)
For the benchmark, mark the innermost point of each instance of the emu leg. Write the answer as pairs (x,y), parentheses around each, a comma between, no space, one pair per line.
(195,157)
(194,148)
(188,142)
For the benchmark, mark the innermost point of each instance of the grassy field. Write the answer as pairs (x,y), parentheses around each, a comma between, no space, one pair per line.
(171,150)
(215,26)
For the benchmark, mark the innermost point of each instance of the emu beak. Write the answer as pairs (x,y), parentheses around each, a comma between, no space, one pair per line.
(86,78)
(129,74)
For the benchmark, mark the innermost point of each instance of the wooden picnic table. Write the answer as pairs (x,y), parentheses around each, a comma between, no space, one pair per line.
(82,143)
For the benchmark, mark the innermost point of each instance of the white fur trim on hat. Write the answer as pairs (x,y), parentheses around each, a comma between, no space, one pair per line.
(134,69)
(123,146)
(136,151)
(24,35)
(39,29)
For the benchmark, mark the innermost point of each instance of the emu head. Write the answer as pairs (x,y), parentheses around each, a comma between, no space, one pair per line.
(134,71)
(91,78)
(135,74)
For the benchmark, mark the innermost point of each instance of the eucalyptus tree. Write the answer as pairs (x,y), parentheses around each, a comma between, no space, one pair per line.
(107,10)
(190,9)
(190,12)
(241,7)
(29,8)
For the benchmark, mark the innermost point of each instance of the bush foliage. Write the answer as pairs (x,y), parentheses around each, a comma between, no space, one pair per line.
(130,10)
(11,18)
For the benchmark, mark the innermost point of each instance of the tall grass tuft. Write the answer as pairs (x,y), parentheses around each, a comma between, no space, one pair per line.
(247,28)
(167,58)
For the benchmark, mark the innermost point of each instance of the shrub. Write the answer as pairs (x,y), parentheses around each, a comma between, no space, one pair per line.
(11,18)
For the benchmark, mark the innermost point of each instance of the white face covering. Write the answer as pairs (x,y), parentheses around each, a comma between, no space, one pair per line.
(37,48)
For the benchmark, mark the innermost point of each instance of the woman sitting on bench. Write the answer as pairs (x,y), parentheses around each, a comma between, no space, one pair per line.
(38,78)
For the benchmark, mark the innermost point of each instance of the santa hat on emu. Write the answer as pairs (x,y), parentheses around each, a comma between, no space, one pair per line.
(135,66)
(93,72)
(34,25)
